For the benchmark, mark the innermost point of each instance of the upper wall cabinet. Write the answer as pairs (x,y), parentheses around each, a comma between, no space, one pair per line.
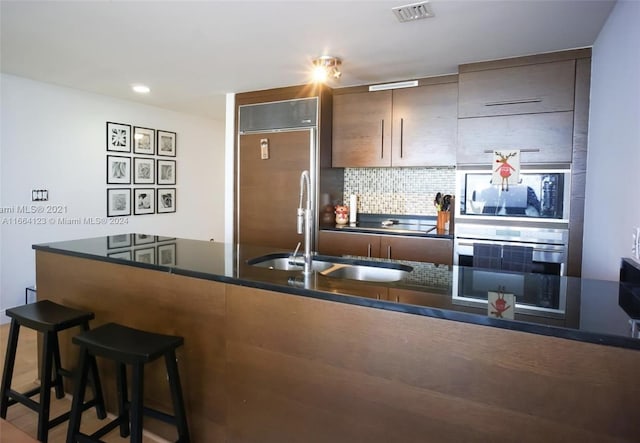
(401,127)
(544,87)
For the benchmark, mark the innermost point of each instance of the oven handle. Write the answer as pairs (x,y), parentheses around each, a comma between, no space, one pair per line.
(553,249)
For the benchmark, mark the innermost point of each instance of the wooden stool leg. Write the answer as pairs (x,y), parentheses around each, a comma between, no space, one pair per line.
(57,376)
(78,396)
(45,386)
(176,397)
(9,362)
(123,412)
(137,393)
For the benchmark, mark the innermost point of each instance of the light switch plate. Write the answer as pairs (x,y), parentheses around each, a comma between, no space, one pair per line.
(264,148)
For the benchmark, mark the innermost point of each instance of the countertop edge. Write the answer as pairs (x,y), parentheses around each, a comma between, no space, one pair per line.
(521,326)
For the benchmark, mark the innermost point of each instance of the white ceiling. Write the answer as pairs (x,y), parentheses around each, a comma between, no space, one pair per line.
(193,52)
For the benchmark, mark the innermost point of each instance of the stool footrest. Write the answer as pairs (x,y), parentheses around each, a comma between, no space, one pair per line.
(17,397)
(159,415)
(84,438)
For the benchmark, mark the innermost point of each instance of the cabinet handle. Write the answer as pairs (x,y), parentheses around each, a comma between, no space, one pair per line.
(369,250)
(514,102)
(389,252)
(401,135)
(382,140)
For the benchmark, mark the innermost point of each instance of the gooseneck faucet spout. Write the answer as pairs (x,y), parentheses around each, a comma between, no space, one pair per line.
(304,219)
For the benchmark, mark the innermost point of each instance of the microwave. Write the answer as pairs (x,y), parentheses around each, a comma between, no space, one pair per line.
(541,195)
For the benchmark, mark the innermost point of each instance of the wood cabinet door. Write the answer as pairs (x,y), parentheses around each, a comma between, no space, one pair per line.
(424,249)
(542,87)
(362,129)
(425,123)
(545,138)
(348,243)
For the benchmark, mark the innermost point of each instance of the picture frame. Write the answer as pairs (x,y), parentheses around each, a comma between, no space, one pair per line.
(144,201)
(145,255)
(118,241)
(166,172)
(143,239)
(166,143)
(118,202)
(166,255)
(166,200)
(122,255)
(144,140)
(143,171)
(118,137)
(118,170)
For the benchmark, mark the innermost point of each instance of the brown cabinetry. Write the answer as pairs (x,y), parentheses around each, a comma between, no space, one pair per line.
(394,247)
(403,127)
(528,107)
(544,87)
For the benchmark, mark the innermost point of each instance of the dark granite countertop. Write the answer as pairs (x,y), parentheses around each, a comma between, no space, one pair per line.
(572,308)
(406,225)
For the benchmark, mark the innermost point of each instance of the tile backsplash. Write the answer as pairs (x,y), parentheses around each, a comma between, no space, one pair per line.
(398,190)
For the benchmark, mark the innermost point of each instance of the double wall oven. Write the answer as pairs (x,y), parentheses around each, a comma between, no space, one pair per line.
(531,217)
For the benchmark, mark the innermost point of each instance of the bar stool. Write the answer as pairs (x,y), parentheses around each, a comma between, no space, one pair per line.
(128,346)
(48,318)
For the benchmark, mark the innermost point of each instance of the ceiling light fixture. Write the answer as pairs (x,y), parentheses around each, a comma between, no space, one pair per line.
(326,67)
(141,89)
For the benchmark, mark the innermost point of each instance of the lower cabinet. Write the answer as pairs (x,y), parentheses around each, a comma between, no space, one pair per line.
(395,247)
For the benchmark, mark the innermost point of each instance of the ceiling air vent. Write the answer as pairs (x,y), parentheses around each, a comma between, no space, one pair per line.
(414,11)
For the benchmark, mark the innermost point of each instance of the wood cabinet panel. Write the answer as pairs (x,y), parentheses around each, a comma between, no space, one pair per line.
(395,247)
(543,87)
(425,122)
(430,250)
(348,243)
(548,135)
(403,127)
(362,129)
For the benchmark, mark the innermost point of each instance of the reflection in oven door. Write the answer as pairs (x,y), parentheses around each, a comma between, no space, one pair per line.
(538,294)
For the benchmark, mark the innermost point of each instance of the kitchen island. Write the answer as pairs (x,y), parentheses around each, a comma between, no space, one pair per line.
(272,356)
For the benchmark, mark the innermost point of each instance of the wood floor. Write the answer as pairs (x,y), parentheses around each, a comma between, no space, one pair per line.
(25,377)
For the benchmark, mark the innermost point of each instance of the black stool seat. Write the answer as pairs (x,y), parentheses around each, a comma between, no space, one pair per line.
(128,346)
(47,318)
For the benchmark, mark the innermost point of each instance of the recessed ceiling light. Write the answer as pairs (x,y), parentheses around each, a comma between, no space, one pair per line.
(141,89)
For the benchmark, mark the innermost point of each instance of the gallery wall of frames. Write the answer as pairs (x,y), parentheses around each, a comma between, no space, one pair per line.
(141,170)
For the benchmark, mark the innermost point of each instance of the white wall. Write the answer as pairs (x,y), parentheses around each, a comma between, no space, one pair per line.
(55,138)
(613,168)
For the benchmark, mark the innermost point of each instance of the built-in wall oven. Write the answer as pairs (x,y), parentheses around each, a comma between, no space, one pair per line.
(532,216)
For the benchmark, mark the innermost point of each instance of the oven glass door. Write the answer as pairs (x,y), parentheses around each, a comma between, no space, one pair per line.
(535,294)
(540,195)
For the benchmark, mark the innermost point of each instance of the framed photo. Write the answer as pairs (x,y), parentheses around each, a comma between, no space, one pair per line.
(167,254)
(144,201)
(143,171)
(123,255)
(118,241)
(166,200)
(166,172)
(118,170)
(146,255)
(118,202)
(144,140)
(118,137)
(143,239)
(166,143)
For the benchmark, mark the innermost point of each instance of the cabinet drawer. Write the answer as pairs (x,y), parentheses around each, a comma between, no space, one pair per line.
(348,243)
(549,137)
(545,87)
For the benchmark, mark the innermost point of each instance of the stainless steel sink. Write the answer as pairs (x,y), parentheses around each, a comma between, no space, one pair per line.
(284,264)
(366,273)
(335,267)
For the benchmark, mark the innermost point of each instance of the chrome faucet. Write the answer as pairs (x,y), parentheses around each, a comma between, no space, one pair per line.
(304,220)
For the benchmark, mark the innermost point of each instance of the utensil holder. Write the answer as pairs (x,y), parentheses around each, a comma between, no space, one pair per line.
(442,222)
